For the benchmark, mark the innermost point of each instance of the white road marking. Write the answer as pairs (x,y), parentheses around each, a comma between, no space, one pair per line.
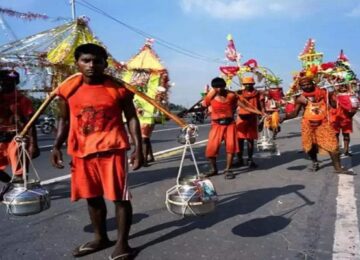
(176,128)
(346,237)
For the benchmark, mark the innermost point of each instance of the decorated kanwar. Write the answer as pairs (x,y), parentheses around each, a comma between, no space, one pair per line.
(146,72)
(317,133)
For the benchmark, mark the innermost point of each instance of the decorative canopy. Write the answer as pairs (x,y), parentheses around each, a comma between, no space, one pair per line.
(145,59)
(47,58)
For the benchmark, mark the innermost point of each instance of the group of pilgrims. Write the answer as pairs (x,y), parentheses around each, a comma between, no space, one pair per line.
(327,95)
(91,123)
(236,116)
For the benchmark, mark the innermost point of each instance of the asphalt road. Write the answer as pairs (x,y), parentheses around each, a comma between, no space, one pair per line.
(278,211)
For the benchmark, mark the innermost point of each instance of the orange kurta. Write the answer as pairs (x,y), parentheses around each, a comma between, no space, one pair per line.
(218,133)
(247,122)
(97,139)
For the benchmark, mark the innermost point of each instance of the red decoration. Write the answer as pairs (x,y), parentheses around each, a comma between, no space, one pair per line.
(229,71)
(342,56)
(328,65)
(276,93)
(252,63)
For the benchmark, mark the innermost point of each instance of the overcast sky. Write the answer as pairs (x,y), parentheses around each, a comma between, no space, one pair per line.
(273,32)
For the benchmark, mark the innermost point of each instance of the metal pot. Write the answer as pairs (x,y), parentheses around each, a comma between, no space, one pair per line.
(177,205)
(23,201)
(182,140)
(190,199)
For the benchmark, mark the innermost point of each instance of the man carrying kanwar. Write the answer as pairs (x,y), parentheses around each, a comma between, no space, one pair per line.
(342,112)
(316,132)
(91,105)
(15,110)
(222,103)
(247,121)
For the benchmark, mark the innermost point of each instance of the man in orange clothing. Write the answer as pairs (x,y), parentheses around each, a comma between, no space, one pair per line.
(247,122)
(316,131)
(223,104)
(15,111)
(341,115)
(91,107)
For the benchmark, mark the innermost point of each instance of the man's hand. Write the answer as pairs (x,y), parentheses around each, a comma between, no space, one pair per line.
(57,158)
(136,160)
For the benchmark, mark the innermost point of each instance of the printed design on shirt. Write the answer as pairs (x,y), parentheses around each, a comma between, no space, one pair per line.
(92,119)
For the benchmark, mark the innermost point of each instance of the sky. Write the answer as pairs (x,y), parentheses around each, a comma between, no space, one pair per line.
(273,32)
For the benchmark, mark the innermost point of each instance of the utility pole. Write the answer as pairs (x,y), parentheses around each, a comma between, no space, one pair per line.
(73,11)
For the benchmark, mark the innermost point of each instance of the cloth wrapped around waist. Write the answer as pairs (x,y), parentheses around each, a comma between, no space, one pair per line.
(224,121)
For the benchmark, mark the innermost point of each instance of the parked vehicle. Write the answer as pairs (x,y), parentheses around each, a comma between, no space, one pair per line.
(48,125)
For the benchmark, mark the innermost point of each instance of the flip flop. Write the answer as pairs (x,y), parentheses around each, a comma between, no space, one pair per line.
(347,172)
(126,256)
(229,175)
(86,249)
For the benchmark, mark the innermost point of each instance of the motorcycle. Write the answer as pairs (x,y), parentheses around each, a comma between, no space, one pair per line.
(197,117)
(48,125)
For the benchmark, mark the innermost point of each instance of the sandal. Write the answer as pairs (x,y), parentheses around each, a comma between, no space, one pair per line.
(345,171)
(314,167)
(209,174)
(126,256)
(229,175)
(88,248)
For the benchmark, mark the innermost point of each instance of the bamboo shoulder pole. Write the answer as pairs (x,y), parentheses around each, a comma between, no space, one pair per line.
(134,90)
(32,120)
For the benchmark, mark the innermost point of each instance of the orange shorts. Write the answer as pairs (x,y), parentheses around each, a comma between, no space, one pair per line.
(219,133)
(247,128)
(146,130)
(9,156)
(345,126)
(102,174)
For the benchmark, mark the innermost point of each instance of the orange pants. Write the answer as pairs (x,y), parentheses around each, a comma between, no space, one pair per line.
(219,133)
(102,174)
(247,128)
(9,156)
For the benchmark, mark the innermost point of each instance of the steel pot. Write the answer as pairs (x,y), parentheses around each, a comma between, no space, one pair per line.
(23,201)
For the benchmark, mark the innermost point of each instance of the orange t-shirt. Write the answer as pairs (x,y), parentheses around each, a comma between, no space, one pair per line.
(221,109)
(96,123)
(253,98)
(13,108)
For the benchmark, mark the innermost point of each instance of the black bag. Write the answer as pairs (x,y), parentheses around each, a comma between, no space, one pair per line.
(224,121)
